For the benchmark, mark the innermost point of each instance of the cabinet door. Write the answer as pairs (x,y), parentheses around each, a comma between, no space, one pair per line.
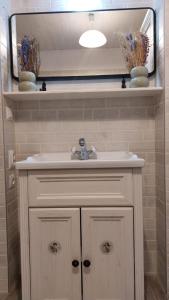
(54,244)
(107,242)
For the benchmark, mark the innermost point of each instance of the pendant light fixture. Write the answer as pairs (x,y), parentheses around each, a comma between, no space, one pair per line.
(92,38)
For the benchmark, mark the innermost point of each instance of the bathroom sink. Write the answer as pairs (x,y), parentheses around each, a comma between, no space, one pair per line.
(114,159)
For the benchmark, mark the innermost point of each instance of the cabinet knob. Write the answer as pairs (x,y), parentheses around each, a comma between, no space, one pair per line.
(54,247)
(106,247)
(75,263)
(87,263)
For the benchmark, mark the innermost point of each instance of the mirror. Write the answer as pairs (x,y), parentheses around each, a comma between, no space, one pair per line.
(62,56)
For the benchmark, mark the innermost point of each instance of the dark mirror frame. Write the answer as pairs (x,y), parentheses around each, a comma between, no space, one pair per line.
(55,78)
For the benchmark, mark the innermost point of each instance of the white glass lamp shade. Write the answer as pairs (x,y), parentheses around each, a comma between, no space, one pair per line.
(92,39)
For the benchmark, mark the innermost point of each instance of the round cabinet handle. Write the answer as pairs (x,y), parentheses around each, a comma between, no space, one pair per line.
(54,247)
(75,263)
(87,263)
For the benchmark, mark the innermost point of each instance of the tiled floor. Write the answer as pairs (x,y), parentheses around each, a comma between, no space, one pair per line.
(13,296)
(152,292)
(2,296)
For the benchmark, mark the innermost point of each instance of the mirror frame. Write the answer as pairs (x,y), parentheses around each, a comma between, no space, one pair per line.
(58,78)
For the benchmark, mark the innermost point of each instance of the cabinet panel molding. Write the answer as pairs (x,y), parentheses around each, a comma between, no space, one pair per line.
(80,188)
(107,242)
(54,244)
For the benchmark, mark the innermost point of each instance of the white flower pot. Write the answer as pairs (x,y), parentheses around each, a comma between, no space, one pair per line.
(27,81)
(139,77)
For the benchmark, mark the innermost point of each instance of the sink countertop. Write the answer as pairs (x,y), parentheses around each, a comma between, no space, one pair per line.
(114,159)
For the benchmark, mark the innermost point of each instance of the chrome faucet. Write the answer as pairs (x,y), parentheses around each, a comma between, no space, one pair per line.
(83,153)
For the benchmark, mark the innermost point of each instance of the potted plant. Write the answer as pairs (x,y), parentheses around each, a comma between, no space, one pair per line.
(29,63)
(135,48)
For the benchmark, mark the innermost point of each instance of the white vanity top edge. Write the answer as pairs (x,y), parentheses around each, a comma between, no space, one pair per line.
(63,161)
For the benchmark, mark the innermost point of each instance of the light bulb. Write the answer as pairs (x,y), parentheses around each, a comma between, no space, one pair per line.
(92,39)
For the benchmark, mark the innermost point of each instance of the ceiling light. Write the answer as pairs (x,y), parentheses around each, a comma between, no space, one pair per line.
(80,5)
(92,39)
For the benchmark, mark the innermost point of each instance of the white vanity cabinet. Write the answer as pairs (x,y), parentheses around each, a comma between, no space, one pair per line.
(81,234)
(104,246)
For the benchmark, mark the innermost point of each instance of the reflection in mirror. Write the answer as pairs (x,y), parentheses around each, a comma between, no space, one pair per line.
(64,54)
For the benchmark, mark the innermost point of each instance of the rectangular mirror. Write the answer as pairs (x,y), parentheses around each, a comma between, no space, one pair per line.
(62,56)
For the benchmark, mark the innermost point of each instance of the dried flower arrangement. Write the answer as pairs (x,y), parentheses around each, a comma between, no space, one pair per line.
(135,48)
(29,55)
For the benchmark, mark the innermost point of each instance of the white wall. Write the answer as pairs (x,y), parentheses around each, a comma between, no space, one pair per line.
(54,5)
(71,62)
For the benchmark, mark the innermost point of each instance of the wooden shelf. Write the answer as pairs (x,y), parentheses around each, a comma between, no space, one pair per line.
(84,93)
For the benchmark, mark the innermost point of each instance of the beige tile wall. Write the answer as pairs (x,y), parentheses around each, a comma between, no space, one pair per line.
(160,152)
(167,131)
(3,233)
(3,225)
(12,207)
(8,202)
(160,192)
(164,206)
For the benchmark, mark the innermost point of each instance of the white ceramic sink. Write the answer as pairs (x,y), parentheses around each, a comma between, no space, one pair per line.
(115,159)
